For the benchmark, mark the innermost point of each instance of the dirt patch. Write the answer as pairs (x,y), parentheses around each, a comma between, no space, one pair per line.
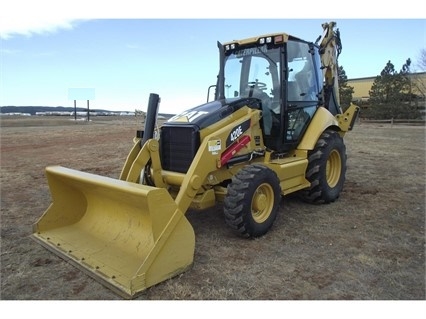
(368,245)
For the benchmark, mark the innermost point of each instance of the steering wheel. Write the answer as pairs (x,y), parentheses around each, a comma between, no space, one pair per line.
(257,85)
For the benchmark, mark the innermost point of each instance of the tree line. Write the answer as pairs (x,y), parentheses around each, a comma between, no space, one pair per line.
(393,94)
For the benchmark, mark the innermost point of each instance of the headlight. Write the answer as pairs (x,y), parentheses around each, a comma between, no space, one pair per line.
(230,47)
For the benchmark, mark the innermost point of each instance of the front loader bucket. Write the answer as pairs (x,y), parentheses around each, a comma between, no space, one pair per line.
(126,235)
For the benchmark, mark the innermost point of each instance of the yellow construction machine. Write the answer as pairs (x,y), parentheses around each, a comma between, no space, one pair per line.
(275,127)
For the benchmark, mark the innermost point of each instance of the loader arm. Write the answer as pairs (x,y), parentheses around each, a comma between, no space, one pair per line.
(204,162)
(138,159)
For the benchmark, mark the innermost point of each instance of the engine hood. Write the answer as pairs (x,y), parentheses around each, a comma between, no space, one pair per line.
(212,112)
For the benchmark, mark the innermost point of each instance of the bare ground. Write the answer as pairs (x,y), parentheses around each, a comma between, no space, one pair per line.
(368,245)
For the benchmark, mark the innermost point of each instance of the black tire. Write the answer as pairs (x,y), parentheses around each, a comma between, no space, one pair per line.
(252,201)
(326,169)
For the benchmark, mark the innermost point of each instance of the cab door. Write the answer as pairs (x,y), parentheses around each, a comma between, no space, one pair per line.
(302,92)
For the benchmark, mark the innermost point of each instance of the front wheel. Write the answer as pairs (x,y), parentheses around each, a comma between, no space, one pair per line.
(326,169)
(252,201)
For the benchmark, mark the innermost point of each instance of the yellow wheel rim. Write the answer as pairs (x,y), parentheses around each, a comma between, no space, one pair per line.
(334,168)
(262,203)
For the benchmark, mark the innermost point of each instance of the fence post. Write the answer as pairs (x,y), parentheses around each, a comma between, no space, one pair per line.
(88,112)
(75,110)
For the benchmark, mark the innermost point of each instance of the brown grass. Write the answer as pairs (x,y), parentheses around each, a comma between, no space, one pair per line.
(369,245)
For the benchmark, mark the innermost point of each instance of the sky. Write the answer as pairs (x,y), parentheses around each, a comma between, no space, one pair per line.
(124,54)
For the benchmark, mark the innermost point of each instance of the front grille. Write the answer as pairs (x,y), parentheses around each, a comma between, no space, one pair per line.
(179,144)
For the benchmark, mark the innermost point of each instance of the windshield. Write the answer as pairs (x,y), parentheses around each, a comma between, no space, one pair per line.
(253,71)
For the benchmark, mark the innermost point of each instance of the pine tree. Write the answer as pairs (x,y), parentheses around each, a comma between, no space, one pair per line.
(390,94)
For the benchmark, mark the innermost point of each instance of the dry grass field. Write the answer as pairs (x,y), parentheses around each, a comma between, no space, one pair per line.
(368,245)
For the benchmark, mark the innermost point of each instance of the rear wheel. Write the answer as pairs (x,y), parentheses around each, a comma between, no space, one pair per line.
(252,201)
(326,169)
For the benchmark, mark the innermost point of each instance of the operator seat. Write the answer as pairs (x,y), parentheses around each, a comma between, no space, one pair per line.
(306,84)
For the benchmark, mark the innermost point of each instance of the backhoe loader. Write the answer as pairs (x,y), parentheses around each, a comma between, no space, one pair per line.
(274,127)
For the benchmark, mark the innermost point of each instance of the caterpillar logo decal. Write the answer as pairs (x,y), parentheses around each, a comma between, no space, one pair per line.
(237,131)
(187,116)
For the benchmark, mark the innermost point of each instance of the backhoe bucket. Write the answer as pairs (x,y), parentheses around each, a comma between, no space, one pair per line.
(126,235)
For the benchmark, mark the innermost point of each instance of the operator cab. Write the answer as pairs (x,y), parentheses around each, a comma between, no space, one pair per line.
(281,71)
